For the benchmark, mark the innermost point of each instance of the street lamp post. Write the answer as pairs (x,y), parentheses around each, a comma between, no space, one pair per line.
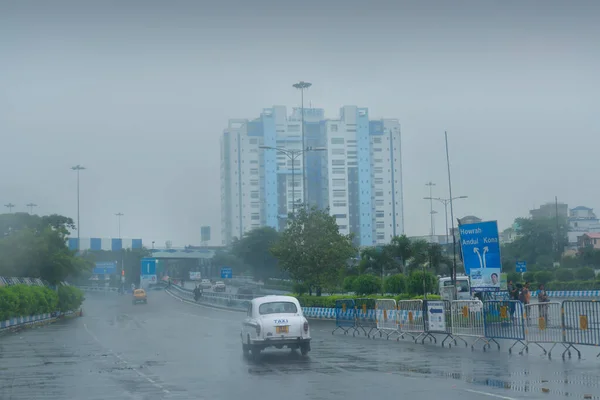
(445,202)
(31,205)
(78,168)
(10,206)
(119,215)
(293,155)
(302,86)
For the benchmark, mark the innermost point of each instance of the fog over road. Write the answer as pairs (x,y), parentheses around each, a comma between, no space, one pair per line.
(172,350)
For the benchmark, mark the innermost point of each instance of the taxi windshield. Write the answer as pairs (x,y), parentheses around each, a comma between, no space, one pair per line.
(278,307)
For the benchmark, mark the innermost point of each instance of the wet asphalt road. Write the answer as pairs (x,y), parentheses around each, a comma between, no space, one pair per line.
(172,350)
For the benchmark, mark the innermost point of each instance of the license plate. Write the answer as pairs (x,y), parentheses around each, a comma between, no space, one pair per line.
(282,329)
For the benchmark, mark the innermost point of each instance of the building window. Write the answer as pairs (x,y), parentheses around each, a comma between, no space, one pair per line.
(377,149)
(379,193)
(379,214)
(337,140)
(381,236)
(378,170)
(339,182)
(253,171)
(338,162)
(255,217)
(339,193)
(253,141)
(253,161)
(380,225)
(379,203)
(378,181)
(255,205)
(338,151)
(343,227)
(338,170)
(333,128)
(253,182)
(339,203)
(254,195)
(377,140)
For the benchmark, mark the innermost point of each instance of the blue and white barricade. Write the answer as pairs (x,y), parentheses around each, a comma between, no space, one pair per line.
(410,318)
(467,322)
(436,315)
(345,316)
(543,325)
(581,324)
(365,315)
(385,314)
(505,320)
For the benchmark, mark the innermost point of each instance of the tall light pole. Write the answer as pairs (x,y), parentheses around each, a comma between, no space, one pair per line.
(119,215)
(292,155)
(302,86)
(452,218)
(78,168)
(431,212)
(10,206)
(31,205)
(445,202)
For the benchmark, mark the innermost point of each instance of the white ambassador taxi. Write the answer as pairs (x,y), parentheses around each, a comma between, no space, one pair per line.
(275,321)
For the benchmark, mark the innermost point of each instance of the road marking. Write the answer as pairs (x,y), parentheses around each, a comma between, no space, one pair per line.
(489,394)
(204,317)
(140,374)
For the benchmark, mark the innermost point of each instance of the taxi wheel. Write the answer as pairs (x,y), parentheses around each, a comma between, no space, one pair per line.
(245,349)
(304,349)
(255,353)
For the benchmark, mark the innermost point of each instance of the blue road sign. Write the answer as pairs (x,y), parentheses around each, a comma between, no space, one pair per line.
(226,273)
(480,245)
(521,266)
(105,268)
(148,266)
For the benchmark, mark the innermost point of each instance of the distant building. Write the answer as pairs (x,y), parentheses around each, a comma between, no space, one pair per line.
(581,220)
(589,240)
(550,210)
(469,219)
(355,171)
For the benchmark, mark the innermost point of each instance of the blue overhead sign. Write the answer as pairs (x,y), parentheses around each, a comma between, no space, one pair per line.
(148,266)
(480,245)
(226,273)
(105,268)
(521,266)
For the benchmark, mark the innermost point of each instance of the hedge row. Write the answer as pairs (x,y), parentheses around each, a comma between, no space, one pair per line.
(572,285)
(329,301)
(23,300)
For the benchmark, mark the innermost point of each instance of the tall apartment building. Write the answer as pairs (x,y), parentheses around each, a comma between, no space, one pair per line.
(358,173)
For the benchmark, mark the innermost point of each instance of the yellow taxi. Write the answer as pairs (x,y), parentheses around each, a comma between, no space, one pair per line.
(139,296)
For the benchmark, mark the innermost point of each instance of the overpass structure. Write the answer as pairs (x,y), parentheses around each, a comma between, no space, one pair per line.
(177,262)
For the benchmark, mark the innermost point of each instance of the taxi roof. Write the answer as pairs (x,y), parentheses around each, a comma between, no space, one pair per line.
(273,298)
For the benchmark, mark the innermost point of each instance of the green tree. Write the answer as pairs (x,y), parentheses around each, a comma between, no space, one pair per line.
(538,238)
(564,275)
(415,282)
(585,274)
(226,259)
(34,246)
(544,276)
(366,285)
(255,250)
(395,284)
(312,250)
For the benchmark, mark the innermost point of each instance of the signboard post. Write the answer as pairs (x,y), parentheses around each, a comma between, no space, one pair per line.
(226,273)
(148,272)
(436,317)
(480,244)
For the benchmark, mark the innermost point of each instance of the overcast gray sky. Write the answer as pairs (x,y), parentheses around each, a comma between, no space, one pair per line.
(140,91)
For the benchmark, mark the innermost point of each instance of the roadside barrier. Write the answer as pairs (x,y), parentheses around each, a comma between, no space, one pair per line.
(437,320)
(410,319)
(345,316)
(467,321)
(505,320)
(581,325)
(365,315)
(386,317)
(543,325)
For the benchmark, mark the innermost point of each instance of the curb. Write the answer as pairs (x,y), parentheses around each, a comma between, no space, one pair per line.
(44,322)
